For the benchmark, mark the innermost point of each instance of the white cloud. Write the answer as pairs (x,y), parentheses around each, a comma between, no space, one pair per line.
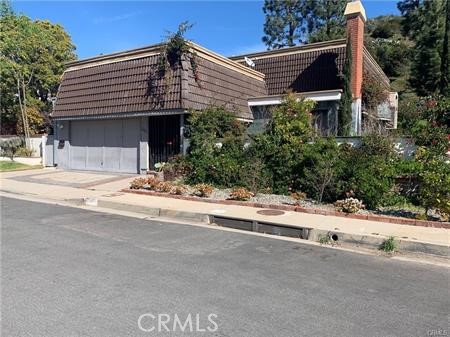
(109,19)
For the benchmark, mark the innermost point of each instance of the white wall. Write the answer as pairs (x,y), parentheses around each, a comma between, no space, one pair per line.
(404,146)
(35,143)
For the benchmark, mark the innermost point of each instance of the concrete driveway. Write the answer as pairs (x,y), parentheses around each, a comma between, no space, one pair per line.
(79,179)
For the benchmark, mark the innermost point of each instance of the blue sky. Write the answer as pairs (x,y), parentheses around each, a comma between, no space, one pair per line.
(101,27)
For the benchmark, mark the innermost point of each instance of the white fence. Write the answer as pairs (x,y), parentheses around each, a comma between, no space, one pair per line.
(404,146)
(35,143)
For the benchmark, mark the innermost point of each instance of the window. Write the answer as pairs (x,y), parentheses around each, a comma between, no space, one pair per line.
(261,118)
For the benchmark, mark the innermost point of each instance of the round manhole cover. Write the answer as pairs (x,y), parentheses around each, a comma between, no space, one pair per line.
(270,212)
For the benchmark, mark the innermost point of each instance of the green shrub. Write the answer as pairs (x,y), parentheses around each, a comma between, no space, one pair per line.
(216,151)
(389,245)
(24,152)
(434,182)
(280,147)
(324,239)
(369,170)
(432,128)
(321,169)
(254,174)
(176,167)
(10,147)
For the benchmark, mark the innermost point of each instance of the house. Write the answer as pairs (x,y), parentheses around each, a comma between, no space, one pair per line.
(111,114)
(109,117)
(314,71)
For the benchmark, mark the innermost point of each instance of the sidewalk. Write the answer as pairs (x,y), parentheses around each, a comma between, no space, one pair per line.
(359,232)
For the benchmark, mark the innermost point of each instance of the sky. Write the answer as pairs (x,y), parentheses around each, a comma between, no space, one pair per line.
(102,27)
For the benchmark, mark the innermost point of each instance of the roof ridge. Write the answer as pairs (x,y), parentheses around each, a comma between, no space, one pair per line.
(308,46)
(115,55)
(156,49)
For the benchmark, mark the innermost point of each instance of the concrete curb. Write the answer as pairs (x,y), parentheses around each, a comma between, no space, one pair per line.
(375,242)
(151,211)
(272,228)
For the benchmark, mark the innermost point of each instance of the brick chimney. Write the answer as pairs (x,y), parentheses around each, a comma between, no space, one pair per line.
(356,17)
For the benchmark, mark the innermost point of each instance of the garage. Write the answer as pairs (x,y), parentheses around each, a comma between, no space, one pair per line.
(114,114)
(104,145)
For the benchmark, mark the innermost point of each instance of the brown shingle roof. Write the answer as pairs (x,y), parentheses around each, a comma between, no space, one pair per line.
(118,87)
(219,85)
(119,83)
(311,67)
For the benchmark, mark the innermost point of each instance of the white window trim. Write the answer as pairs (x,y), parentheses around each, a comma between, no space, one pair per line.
(319,96)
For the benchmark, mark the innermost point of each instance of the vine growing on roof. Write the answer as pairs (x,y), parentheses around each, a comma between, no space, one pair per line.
(170,58)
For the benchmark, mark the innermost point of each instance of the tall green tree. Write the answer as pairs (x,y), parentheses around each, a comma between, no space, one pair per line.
(325,20)
(445,59)
(290,22)
(429,50)
(391,48)
(284,23)
(345,107)
(32,59)
(409,9)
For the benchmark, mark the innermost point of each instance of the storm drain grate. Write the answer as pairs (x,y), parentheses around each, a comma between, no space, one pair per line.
(262,227)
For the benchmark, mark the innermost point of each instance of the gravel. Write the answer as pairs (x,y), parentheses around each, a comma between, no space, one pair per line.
(276,199)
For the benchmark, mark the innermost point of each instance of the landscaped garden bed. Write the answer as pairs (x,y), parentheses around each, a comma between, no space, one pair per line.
(149,185)
(289,167)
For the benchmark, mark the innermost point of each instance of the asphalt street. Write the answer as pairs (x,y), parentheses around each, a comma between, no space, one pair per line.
(72,272)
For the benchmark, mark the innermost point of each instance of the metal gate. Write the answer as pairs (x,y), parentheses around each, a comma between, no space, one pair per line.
(164,138)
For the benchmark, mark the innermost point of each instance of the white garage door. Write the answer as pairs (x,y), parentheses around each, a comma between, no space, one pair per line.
(105,145)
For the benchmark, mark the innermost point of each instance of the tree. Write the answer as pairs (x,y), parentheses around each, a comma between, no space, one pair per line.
(33,56)
(427,78)
(445,67)
(325,20)
(5,8)
(289,22)
(389,46)
(284,23)
(345,105)
(409,9)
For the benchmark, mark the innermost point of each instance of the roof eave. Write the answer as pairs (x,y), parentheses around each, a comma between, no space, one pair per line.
(113,56)
(295,49)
